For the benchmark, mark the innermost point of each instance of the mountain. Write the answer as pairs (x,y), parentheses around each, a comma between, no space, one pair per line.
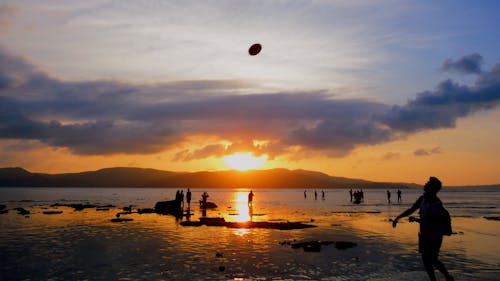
(139,177)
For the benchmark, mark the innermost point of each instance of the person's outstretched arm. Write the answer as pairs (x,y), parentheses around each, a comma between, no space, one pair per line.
(407,212)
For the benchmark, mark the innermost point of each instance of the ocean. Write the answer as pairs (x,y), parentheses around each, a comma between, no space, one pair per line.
(87,245)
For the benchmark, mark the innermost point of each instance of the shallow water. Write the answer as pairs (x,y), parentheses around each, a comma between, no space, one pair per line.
(80,245)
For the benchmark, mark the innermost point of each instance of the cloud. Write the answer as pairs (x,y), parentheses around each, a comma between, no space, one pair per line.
(7,15)
(390,156)
(427,152)
(109,117)
(442,107)
(469,64)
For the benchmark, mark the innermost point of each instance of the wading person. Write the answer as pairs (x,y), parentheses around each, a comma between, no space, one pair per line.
(250,198)
(188,198)
(434,223)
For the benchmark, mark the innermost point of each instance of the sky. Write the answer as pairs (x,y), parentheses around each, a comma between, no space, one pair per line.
(379,90)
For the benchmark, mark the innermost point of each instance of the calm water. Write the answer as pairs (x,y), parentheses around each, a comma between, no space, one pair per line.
(86,245)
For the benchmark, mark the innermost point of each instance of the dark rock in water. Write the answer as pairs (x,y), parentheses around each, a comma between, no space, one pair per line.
(4,211)
(275,225)
(222,268)
(208,205)
(218,255)
(172,207)
(52,212)
(492,218)
(315,246)
(127,209)
(191,223)
(263,224)
(342,245)
(121,219)
(311,246)
(22,211)
(2,207)
(146,211)
(77,207)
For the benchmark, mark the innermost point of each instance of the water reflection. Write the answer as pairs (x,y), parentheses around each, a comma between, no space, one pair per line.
(243,211)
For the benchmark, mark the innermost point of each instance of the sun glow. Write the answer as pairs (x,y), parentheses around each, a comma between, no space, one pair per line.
(244,161)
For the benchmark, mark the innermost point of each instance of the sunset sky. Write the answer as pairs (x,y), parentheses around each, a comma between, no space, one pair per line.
(379,90)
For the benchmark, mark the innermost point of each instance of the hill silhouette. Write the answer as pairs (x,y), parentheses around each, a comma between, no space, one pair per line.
(140,177)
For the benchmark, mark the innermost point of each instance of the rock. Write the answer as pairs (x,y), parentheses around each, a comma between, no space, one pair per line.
(492,218)
(52,212)
(121,219)
(146,211)
(342,245)
(22,211)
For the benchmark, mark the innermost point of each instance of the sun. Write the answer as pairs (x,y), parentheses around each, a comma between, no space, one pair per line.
(244,161)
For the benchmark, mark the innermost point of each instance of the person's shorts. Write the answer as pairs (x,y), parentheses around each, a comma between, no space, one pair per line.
(429,244)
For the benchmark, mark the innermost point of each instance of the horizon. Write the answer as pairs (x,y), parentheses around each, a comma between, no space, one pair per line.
(416,185)
(366,90)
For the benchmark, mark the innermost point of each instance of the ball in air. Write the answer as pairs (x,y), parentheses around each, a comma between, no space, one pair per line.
(254,49)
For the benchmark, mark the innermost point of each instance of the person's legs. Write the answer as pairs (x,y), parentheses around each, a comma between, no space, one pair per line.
(428,259)
(440,266)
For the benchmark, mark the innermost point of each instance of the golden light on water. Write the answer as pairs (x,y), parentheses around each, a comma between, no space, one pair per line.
(244,161)
(241,207)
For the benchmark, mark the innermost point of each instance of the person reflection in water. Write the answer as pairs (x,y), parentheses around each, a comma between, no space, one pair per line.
(250,198)
(431,232)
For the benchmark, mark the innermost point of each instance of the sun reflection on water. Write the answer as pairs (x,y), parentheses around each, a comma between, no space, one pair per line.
(241,206)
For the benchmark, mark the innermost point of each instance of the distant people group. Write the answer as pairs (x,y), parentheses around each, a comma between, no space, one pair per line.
(179,196)
(389,196)
(315,194)
(356,196)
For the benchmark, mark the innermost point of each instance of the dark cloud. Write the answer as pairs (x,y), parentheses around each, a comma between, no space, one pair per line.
(442,107)
(469,64)
(105,117)
(427,152)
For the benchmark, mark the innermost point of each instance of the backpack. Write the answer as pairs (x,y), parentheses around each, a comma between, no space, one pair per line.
(434,213)
(446,222)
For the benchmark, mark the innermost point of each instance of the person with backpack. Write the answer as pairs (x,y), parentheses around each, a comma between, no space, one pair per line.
(434,223)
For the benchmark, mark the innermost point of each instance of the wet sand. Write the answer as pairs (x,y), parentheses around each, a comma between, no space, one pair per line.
(87,245)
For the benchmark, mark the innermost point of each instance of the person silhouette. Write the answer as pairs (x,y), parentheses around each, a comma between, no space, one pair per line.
(430,236)
(188,198)
(388,197)
(250,198)
(399,195)
(350,193)
(315,195)
(203,201)
(181,198)
(305,193)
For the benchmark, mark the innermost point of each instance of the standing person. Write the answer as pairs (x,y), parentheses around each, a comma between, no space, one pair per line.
(305,194)
(350,193)
(315,195)
(188,198)
(399,195)
(388,197)
(323,194)
(250,198)
(204,197)
(432,227)
(181,197)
